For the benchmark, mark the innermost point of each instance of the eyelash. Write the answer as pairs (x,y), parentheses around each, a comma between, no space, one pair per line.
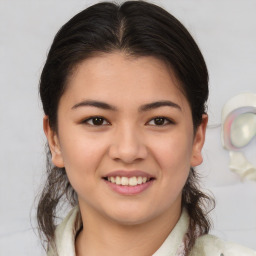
(103,121)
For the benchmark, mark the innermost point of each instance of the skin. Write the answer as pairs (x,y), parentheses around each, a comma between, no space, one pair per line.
(127,139)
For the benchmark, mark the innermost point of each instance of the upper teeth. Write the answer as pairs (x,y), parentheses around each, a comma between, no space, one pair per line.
(125,181)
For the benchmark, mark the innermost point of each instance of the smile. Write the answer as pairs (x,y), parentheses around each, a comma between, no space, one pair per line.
(126,181)
(129,182)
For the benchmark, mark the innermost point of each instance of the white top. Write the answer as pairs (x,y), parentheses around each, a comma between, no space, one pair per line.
(206,245)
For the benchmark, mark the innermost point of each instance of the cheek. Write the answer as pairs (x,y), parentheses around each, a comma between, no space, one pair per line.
(173,152)
(81,156)
(173,157)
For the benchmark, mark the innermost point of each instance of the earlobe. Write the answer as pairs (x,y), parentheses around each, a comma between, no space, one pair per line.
(53,142)
(196,158)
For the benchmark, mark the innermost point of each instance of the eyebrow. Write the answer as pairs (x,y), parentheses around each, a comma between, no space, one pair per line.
(94,103)
(159,104)
(143,108)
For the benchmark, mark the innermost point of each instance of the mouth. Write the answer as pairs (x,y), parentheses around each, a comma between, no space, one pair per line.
(128,181)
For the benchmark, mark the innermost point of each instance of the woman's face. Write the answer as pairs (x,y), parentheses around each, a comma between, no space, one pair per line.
(125,137)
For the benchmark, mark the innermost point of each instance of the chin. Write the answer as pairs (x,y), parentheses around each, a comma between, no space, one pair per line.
(131,218)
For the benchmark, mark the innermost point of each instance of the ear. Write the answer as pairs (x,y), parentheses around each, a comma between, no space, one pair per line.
(53,142)
(199,138)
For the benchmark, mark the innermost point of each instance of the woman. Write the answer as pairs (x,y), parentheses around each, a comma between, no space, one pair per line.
(124,91)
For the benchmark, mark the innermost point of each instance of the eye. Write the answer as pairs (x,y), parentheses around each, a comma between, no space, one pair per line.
(160,121)
(96,121)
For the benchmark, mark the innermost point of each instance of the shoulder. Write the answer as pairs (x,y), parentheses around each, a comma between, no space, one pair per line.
(209,245)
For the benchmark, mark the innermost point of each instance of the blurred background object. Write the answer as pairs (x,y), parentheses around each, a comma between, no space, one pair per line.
(238,131)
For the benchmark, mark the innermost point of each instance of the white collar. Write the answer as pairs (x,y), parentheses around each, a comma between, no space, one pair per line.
(67,230)
(173,244)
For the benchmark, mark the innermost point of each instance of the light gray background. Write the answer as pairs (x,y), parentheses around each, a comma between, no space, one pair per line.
(226,33)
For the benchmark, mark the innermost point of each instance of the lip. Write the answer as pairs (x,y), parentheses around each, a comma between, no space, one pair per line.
(129,190)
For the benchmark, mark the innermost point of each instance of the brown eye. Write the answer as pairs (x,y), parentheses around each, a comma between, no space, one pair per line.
(159,121)
(96,121)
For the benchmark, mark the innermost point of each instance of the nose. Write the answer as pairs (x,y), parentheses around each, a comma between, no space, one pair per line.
(128,145)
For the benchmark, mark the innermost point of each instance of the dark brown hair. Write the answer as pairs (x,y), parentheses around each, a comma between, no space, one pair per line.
(139,29)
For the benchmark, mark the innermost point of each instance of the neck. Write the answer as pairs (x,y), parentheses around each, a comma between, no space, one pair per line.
(103,236)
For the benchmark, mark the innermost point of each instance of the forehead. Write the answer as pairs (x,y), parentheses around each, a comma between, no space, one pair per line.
(121,78)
